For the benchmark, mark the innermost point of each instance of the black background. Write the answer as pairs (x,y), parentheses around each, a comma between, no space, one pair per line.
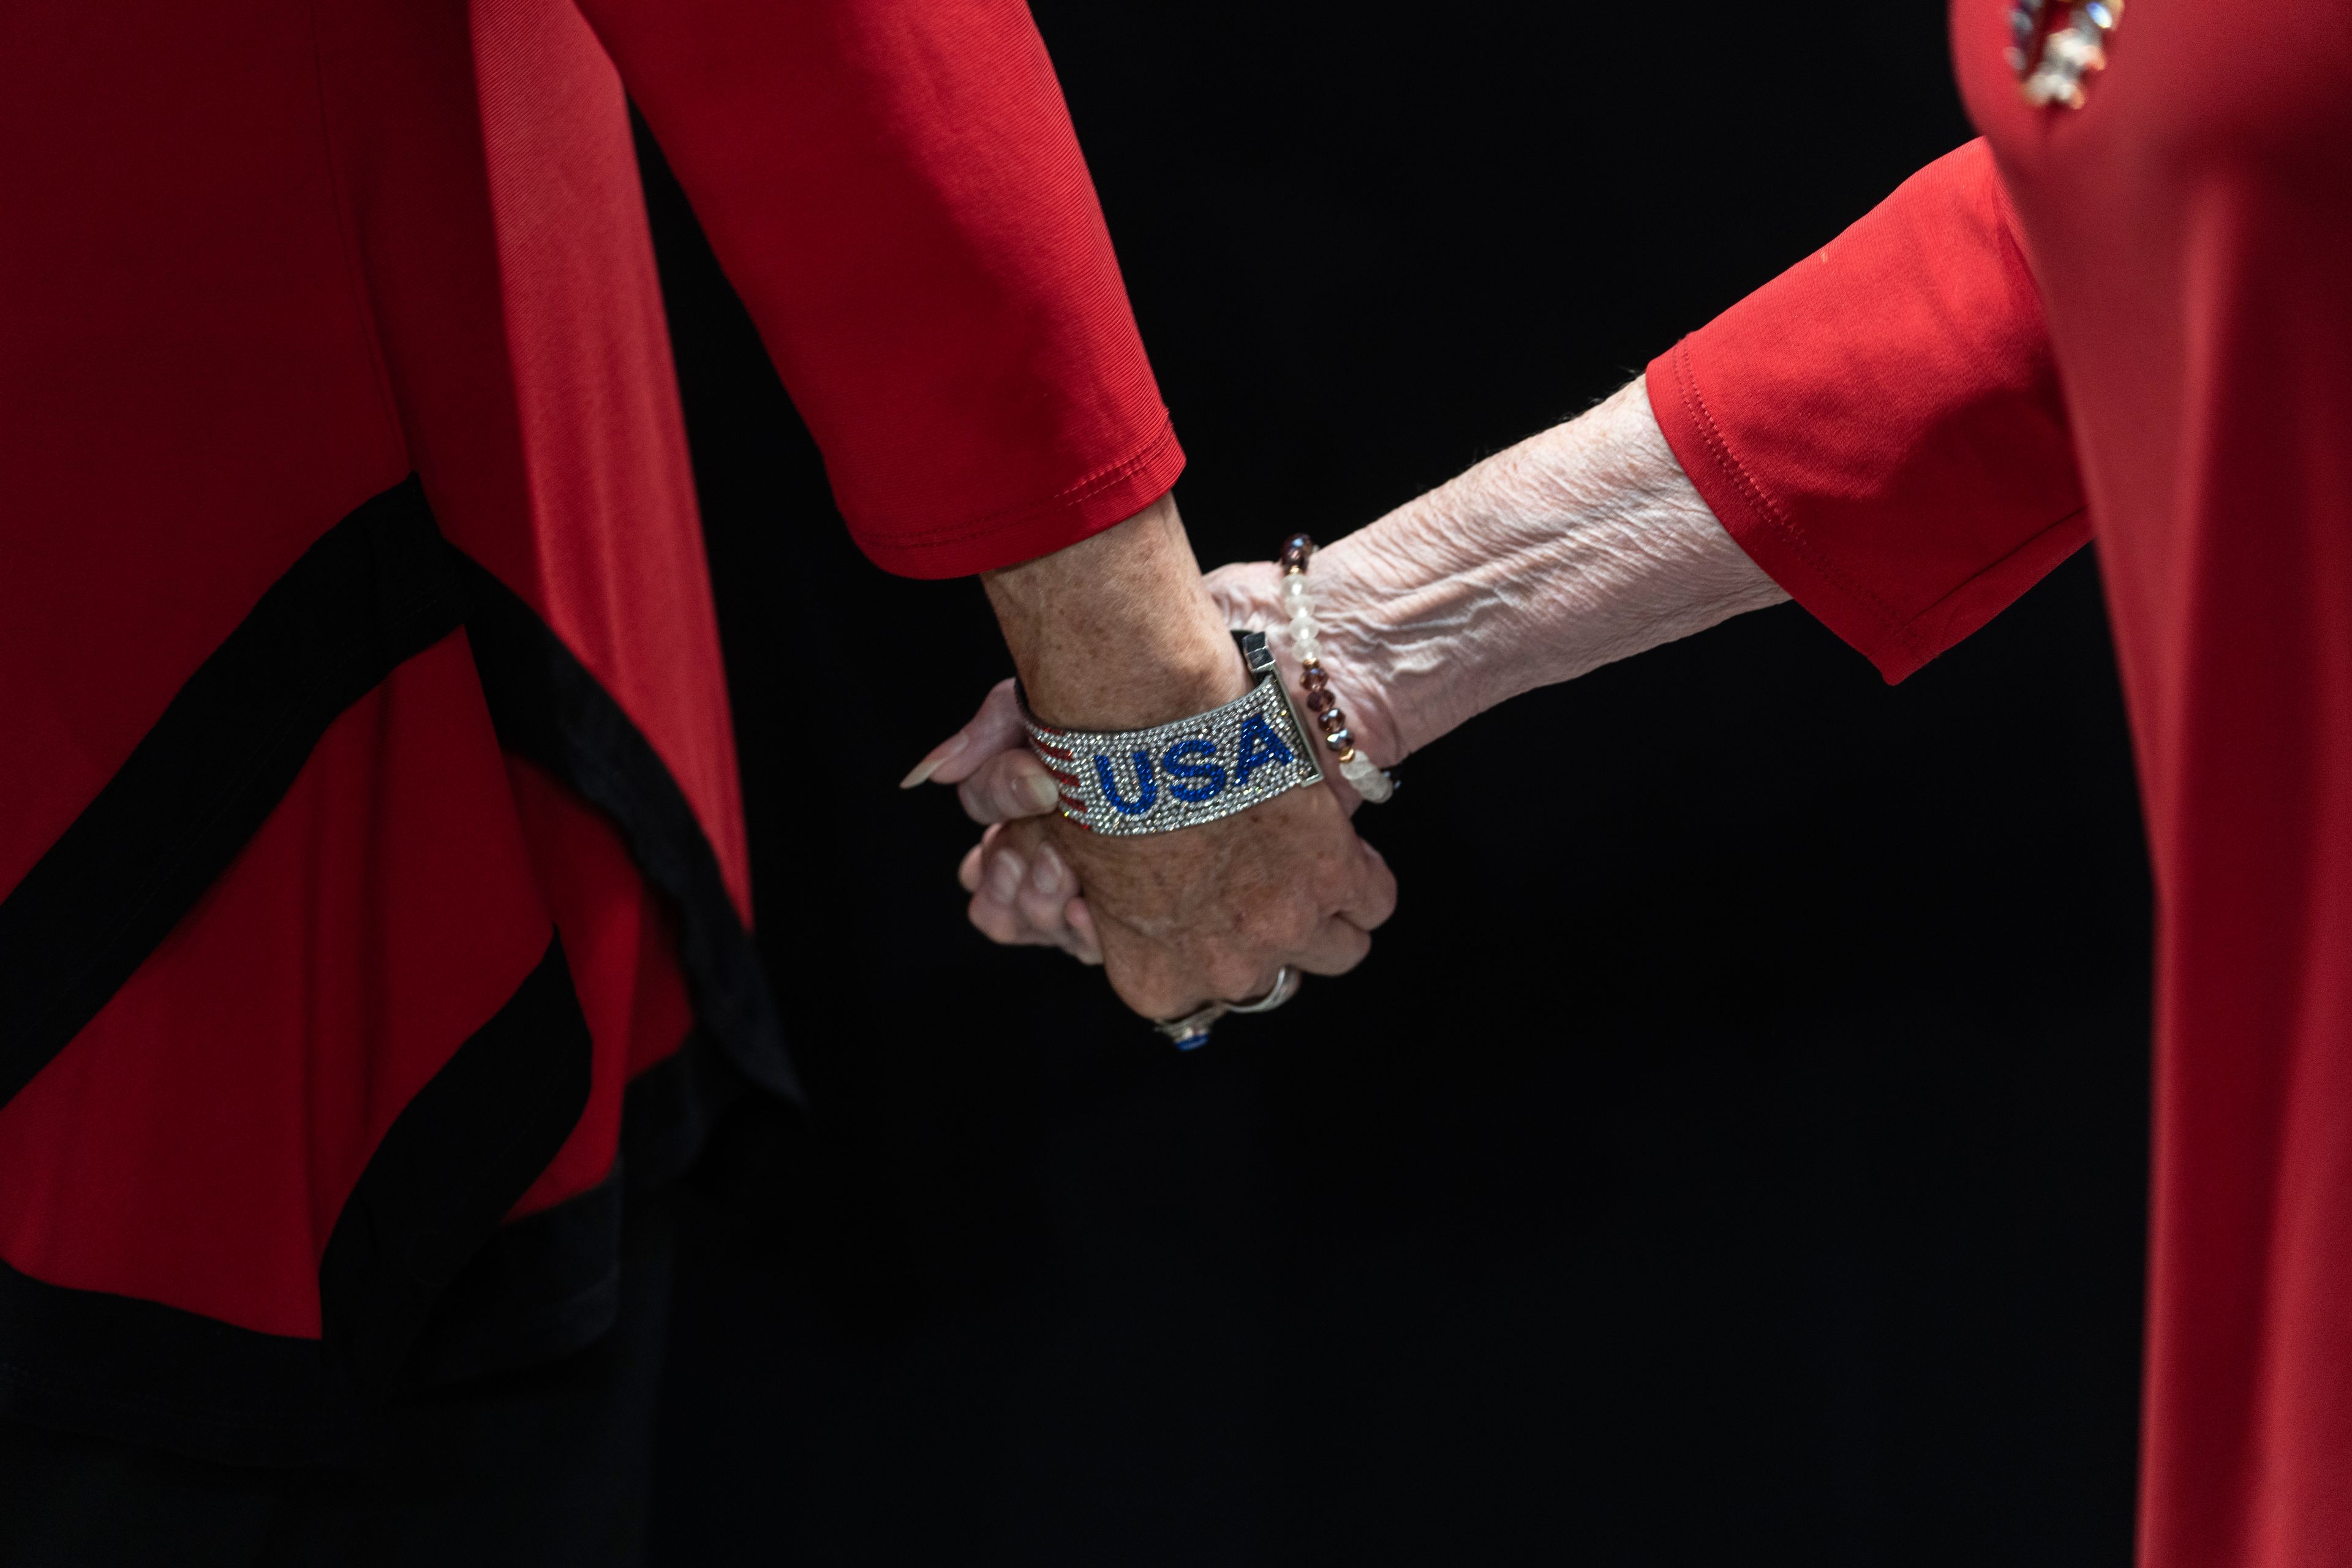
(1734,1149)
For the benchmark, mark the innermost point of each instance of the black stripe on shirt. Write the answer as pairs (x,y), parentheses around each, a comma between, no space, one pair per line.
(375,591)
(378,588)
(550,709)
(452,1163)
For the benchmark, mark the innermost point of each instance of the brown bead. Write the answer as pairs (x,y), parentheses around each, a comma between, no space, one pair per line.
(1320,697)
(1296,550)
(1314,679)
(1340,740)
(1329,719)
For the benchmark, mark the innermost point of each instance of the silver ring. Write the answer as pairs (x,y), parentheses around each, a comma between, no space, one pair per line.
(1286,986)
(1191,1032)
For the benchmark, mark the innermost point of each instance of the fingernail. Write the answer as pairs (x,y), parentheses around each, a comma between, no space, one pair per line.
(1004,878)
(1045,875)
(1043,793)
(934,762)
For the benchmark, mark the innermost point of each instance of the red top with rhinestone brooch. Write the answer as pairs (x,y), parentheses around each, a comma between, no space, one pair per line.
(2131,319)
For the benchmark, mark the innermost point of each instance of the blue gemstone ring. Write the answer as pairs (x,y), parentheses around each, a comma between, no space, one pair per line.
(1191,1032)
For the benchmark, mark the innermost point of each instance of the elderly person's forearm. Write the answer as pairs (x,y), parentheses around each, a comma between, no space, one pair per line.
(1576,547)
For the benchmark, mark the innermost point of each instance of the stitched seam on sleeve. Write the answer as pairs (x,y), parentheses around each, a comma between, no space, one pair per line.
(1725,459)
(1004,517)
(2027,542)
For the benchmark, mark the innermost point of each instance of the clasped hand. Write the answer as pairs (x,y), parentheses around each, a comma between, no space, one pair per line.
(1207,913)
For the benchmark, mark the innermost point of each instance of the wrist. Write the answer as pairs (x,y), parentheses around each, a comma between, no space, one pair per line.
(1114,678)
(1335,640)
(1355,646)
(1116,631)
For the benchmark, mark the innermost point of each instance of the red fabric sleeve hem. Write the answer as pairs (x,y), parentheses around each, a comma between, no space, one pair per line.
(1772,541)
(1880,427)
(1777,544)
(1104,498)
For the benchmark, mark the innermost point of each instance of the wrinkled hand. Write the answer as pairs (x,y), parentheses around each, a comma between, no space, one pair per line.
(1209,912)
(1023,892)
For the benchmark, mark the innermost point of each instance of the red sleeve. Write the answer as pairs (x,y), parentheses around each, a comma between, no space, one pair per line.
(896,192)
(1881,428)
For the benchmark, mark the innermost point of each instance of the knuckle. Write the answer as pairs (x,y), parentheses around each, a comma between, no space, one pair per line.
(1149,1000)
(1278,924)
(1150,986)
(999,789)
(1029,788)
(1236,979)
(1003,803)
(993,920)
(1043,914)
(1005,772)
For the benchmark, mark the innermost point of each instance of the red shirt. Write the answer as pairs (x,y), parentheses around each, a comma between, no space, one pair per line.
(2132,323)
(346,879)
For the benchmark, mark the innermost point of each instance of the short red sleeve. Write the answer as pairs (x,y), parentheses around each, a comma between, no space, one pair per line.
(896,192)
(1880,427)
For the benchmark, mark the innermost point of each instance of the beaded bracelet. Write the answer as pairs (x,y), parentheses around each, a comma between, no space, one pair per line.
(1374,784)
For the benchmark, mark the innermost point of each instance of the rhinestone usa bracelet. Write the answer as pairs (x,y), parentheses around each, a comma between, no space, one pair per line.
(1374,784)
(1123,783)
